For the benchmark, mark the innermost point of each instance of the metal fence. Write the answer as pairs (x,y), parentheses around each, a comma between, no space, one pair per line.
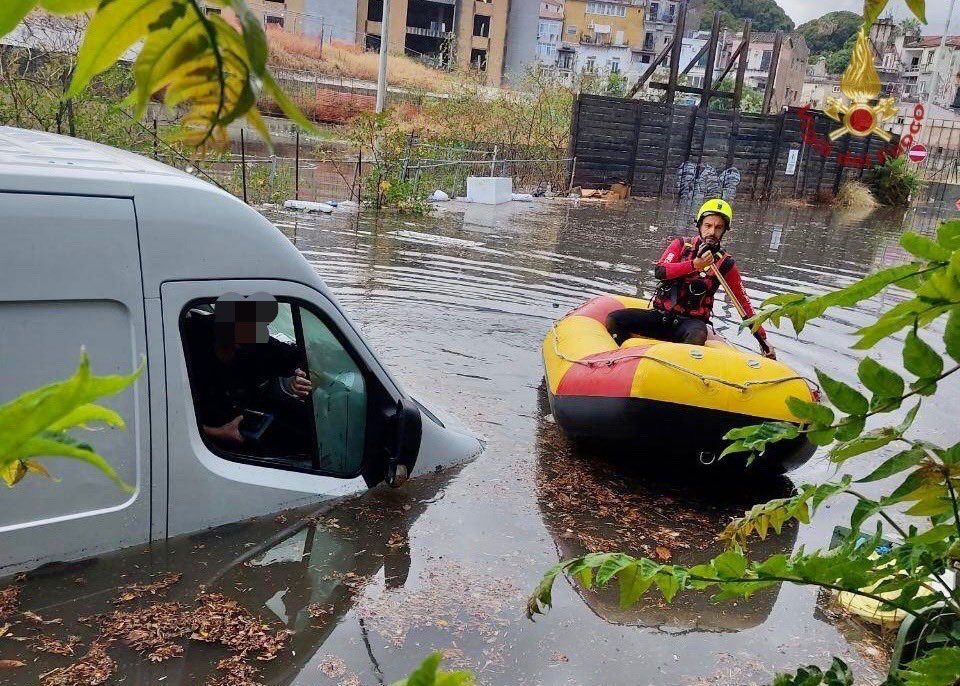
(300,170)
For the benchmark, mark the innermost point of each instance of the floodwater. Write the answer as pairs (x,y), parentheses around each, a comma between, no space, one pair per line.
(457,305)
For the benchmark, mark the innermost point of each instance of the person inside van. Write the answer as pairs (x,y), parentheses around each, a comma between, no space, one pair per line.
(249,387)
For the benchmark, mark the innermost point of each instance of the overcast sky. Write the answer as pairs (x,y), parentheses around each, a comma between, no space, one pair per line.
(804,10)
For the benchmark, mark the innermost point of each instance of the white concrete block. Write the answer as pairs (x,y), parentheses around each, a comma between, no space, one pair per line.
(489,190)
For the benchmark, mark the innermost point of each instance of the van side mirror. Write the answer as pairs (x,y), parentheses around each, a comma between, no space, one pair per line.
(406,425)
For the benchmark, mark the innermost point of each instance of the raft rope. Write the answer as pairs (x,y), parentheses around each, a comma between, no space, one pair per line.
(704,378)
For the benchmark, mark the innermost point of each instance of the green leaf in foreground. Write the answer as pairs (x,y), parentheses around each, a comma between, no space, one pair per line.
(429,674)
(839,674)
(940,667)
(845,398)
(35,424)
(919,358)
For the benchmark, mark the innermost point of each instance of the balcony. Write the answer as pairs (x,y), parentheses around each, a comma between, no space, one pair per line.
(587,39)
(429,33)
(483,8)
(374,27)
(480,43)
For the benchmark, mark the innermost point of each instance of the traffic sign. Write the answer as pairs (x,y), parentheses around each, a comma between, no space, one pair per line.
(918,153)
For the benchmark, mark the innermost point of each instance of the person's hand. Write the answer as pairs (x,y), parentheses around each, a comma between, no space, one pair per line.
(770,353)
(229,432)
(703,262)
(300,384)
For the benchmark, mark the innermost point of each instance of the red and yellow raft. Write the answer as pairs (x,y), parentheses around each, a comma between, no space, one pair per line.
(668,398)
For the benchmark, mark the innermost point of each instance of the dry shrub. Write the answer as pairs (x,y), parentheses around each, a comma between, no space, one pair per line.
(339,59)
(855,195)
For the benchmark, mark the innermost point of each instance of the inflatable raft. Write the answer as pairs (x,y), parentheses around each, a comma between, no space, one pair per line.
(666,398)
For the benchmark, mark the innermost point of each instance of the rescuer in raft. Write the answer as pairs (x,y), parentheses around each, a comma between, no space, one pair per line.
(683,302)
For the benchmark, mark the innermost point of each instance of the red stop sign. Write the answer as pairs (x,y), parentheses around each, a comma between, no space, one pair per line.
(918,153)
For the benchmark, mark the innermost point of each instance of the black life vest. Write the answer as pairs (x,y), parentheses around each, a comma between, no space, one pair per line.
(691,295)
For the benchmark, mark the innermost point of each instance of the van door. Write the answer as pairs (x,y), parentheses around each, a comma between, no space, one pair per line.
(257,425)
(70,279)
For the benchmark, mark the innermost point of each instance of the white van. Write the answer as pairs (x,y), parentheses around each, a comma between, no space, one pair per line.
(105,250)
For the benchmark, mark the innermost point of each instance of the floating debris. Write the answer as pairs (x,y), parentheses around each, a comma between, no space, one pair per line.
(236,672)
(92,669)
(221,620)
(450,598)
(9,602)
(11,664)
(318,610)
(49,644)
(37,619)
(135,591)
(150,630)
(332,666)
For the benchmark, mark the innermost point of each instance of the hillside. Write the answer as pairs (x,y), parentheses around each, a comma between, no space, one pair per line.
(767,15)
(828,34)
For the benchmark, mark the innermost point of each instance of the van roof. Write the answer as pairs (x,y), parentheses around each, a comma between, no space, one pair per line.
(37,161)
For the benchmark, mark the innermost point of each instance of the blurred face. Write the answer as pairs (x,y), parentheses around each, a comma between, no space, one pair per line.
(712,228)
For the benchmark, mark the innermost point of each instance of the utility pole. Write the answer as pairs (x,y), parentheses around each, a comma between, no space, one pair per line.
(935,85)
(384,51)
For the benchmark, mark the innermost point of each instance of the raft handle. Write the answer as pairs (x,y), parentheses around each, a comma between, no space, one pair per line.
(707,458)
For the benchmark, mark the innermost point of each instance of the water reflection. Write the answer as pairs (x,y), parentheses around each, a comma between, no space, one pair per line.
(597,502)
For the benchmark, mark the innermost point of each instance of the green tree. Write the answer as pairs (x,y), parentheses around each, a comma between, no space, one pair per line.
(767,15)
(830,32)
(838,61)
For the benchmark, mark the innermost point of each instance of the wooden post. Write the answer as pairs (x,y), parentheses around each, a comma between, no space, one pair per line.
(636,142)
(772,72)
(296,168)
(742,64)
(711,62)
(243,166)
(675,53)
(574,132)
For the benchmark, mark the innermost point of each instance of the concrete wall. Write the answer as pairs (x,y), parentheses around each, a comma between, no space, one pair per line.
(522,25)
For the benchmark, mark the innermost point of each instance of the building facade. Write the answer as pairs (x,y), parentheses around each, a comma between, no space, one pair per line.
(523,33)
(466,34)
(549,31)
(601,36)
(931,73)
(289,15)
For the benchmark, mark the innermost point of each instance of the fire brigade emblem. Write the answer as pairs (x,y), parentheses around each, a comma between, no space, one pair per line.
(861,86)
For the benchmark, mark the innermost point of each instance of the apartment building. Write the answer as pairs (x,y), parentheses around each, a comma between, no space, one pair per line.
(466,34)
(791,72)
(600,36)
(549,31)
(931,74)
(659,27)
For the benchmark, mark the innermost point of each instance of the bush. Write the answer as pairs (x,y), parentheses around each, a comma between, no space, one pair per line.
(894,182)
(856,195)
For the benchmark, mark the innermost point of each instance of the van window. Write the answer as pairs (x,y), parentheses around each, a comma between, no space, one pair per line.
(273,385)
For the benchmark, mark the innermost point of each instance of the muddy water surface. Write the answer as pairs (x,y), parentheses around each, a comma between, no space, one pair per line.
(457,306)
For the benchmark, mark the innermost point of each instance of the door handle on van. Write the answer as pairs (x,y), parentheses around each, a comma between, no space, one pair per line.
(407,427)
